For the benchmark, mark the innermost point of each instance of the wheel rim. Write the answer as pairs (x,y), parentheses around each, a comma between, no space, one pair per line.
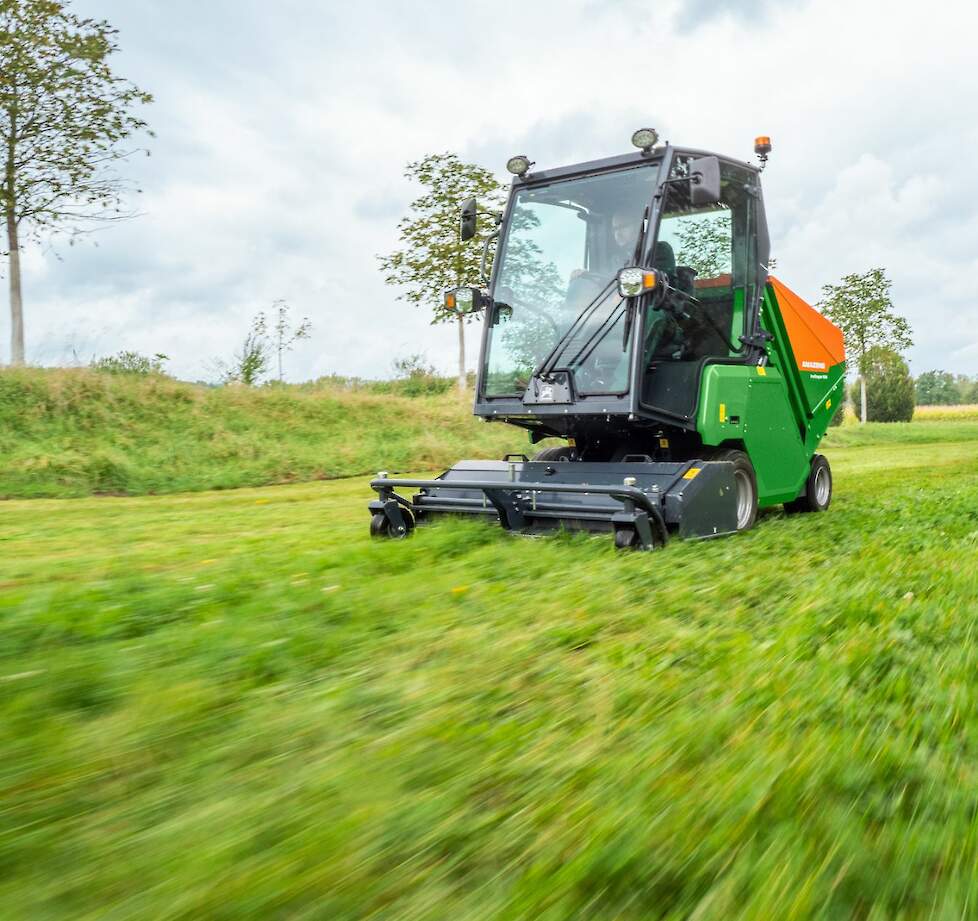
(745,498)
(823,486)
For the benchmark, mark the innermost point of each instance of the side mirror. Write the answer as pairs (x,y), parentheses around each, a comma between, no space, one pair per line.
(467,221)
(704,176)
(464,300)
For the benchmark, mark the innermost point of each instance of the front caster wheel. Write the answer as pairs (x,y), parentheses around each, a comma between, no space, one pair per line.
(380,525)
(626,539)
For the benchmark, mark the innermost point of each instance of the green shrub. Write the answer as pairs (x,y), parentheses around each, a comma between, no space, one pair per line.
(127,362)
(889,387)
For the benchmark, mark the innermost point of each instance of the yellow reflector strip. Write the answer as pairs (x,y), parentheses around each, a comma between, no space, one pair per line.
(723,412)
(663,442)
(762,370)
(828,404)
(691,473)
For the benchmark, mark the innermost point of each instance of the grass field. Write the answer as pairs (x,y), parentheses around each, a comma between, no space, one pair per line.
(233,704)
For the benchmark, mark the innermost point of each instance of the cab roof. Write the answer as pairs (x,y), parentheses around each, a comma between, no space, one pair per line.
(638,158)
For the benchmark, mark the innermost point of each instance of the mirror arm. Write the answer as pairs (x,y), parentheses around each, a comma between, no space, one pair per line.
(485,257)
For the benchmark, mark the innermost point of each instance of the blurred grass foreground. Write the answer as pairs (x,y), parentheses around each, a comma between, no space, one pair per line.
(233,704)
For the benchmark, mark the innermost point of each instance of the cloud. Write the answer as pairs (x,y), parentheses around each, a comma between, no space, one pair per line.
(695,13)
(283,131)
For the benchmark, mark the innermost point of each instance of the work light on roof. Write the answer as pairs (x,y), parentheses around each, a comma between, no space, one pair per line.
(519,164)
(645,139)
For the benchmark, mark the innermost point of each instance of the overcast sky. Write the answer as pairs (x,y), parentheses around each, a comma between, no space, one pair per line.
(283,130)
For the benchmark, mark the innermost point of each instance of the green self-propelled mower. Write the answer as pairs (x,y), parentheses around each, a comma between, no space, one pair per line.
(630,312)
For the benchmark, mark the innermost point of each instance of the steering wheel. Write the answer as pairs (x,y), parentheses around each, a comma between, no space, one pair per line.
(508,296)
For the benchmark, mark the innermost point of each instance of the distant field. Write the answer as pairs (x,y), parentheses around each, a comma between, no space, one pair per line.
(964,411)
(233,704)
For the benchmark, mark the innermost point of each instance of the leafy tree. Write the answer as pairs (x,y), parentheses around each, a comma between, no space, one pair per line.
(889,388)
(937,388)
(861,307)
(433,259)
(965,386)
(704,244)
(64,115)
(286,335)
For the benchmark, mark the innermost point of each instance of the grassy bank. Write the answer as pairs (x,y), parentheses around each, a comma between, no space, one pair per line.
(235,705)
(76,433)
(66,433)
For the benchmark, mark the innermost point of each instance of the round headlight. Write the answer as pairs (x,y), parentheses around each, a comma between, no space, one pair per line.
(645,138)
(518,165)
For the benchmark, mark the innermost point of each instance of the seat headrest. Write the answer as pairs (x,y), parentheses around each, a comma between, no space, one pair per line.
(663,258)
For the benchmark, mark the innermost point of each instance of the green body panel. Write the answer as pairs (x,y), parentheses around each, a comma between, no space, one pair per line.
(778,414)
(748,407)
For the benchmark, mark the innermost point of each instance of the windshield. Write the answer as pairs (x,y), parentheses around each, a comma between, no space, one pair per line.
(556,301)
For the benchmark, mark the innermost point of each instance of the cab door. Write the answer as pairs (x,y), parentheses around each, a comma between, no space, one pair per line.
(709,256)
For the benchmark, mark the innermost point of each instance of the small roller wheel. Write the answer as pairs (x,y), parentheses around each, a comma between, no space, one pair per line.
(817,494)
(380,525)
(626,539)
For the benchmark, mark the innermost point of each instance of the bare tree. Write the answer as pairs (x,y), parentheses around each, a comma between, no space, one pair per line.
(285,335)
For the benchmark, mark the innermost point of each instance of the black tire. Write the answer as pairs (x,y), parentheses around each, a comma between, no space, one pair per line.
(746,482)
(560,453)
(380,526)
(817,494)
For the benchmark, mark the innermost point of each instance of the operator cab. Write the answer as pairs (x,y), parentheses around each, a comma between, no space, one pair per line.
(564,351)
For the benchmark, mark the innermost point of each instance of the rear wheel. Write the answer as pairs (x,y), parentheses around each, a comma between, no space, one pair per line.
(559,453)
(817,494)
(745,481)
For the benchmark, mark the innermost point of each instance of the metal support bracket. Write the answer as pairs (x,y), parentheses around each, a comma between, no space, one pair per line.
(510,514)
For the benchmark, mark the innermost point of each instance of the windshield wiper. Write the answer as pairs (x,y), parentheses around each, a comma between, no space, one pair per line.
(598,336)
(547,365)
